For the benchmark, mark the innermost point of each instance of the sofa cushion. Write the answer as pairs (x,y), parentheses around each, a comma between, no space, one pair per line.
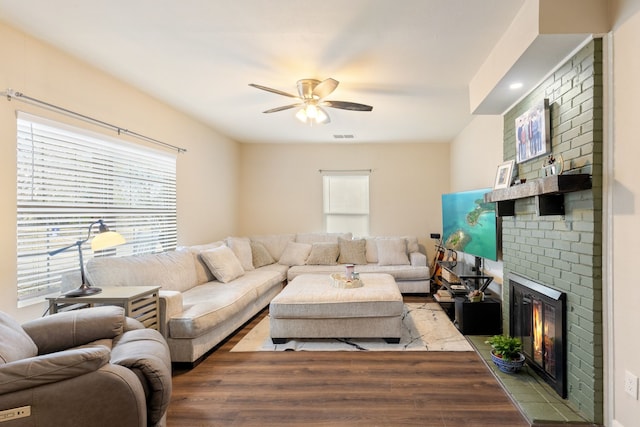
(15,343)
(222,263)
(212,304)
(278,268)
(260,255)
(275,243)
(172,270)
(295,254)
(352,251)
(392,252)
(323,254)
(241,246)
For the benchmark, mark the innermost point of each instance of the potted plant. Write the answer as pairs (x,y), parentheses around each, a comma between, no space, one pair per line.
(506,353)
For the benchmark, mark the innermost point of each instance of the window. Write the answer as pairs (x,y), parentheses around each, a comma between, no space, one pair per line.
(346,203)
(66,179)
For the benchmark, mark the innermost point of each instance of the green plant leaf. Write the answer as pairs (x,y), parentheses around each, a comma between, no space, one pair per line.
(505,347)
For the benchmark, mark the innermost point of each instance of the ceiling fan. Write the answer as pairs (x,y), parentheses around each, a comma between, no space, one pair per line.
(311,94)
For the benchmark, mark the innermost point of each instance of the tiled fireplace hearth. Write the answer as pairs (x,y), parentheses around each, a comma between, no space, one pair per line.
(538,318)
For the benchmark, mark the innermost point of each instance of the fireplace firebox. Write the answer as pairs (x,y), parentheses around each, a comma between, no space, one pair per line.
(538,318)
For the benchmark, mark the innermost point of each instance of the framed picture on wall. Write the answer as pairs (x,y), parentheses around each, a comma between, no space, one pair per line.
(533,132)
(504,175)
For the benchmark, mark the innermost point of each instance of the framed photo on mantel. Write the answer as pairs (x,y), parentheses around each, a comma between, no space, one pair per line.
(533,132)
(504,174)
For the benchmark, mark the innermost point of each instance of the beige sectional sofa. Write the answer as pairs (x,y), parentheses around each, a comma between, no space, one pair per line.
(397,256)
(208,291)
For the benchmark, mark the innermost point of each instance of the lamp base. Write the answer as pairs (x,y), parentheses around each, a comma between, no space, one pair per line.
(82,291)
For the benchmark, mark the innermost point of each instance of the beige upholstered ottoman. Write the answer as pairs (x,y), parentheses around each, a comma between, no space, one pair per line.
(311,307)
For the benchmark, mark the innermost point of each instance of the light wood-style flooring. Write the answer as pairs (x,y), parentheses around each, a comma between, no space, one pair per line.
(338,389)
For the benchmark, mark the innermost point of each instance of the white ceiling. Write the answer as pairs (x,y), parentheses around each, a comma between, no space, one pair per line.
(412,60)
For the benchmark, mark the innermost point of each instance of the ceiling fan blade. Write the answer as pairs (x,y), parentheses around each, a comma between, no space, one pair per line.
(344,105)
(268,89)
(325,87)
(327,119)
(284,107)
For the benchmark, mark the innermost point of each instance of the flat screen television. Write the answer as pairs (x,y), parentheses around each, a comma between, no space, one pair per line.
(469,224)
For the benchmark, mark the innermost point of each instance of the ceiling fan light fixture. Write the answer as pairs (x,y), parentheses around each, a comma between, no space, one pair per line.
(311,94)
(302,115)
(312,114)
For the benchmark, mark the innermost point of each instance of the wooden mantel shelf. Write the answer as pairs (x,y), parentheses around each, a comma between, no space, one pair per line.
(549,192)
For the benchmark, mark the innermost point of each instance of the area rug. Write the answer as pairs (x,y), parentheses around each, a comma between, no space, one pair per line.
(425,327)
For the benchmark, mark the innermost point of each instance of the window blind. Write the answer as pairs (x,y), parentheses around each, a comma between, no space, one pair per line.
(69,177)
(346,204)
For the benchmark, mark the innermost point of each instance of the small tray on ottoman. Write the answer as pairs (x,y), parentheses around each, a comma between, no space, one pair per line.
(340,281)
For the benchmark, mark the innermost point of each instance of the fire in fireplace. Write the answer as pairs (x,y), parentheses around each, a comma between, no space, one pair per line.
(538,318)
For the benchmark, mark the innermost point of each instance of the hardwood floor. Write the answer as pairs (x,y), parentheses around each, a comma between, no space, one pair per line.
(338,389)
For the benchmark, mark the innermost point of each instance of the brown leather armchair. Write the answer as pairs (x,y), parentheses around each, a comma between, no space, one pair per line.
(89,367)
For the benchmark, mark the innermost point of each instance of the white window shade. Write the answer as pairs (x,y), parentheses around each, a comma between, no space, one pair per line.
(346,203)
(66,179)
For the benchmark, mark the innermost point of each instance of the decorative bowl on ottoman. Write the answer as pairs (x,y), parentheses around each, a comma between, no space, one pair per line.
(340,281)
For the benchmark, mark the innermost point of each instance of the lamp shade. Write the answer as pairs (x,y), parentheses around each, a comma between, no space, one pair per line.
(106,239)
(103,240)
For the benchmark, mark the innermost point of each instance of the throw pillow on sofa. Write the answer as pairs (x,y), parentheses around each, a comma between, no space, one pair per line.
(372,246)
(392,252)
(223,263)
(275,243)
(323,254)
(241,246)
(260,255)
(352,251)
(295,254)
(371,249)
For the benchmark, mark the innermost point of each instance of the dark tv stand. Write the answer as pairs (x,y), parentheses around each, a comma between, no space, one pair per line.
(478,318)
(471,318)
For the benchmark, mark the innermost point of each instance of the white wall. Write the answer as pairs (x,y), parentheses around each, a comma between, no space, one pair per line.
(625,186)
(207,172)
(475,155)
(281,188)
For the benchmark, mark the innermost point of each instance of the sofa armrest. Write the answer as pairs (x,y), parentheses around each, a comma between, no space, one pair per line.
(131,324)
(146,353)
(50,368)
(418,259)
(109,396)
(170,305)
(68,329)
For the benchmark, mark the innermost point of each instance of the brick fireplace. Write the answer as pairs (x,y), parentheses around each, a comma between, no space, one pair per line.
(564,252)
